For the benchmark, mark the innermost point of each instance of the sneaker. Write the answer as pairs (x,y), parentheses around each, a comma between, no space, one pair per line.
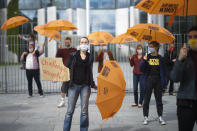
(134,105)
(140,106)
(30,96)
(145,120)
(161,121)
(62,104)
(170,93)
(42,96)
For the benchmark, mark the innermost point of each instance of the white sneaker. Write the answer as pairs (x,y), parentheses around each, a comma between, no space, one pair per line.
(62,104)
(161,121)
(145,120)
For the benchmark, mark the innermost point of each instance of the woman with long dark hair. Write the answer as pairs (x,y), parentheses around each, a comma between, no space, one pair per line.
(81,80)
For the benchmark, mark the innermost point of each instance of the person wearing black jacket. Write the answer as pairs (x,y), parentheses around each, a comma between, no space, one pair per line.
(185,72)
(169,59)
(81,80)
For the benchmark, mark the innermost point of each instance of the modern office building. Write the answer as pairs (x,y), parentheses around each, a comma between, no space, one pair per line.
(113,16)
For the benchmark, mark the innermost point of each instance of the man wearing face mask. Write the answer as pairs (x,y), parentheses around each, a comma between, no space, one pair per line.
(32,68)
(64,54)
(137,76)
(102,55)
(185,72)
(170,58)
(154,78)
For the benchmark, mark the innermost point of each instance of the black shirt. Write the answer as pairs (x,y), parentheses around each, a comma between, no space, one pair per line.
(80,70)
(153,66)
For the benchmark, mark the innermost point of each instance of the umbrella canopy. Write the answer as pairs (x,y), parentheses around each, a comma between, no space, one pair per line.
(13,22)
(124,38)
(60,25)
(168,7)
(151,32)
(100,38)
(111,89)
(53,34)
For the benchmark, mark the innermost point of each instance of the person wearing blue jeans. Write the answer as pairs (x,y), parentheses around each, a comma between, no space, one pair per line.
(137,76)
(81,80)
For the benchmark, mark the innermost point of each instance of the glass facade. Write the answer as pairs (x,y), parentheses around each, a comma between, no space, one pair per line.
(102,21)
(29,4)
(3,4)
(102,13)
(123,3)
(61,4)
(78,4)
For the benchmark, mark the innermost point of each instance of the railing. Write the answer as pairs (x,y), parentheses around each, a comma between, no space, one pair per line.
(13,79)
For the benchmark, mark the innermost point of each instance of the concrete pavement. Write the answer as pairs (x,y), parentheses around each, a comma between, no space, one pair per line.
(19,113)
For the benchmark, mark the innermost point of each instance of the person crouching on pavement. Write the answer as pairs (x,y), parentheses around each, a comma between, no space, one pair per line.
(80,64)
(185,72)
(154,79)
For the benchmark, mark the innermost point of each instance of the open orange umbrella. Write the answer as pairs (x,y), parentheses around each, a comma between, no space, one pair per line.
(169,7)
(53,34)
(124,38)
(111,89)
(60,25)
(151,32)
(100,38)
(13,22)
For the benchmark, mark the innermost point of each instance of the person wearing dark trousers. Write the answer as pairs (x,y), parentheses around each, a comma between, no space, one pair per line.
(170,58)
(154,79)
(185,72)
(32,68)
(64,54)
(137,76)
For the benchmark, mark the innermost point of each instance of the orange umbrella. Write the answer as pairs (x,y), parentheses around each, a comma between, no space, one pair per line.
(13,22)
(60,25)
(169,7)
(111,89)
(100,38)
(124,38)
(53,34)
(151,32)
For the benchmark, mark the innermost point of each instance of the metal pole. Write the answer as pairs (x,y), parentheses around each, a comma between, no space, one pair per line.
(87,17)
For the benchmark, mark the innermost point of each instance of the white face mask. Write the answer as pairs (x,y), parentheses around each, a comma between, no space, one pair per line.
(31,50)
(193,44)
(84,47)
(151,50)
(139,51)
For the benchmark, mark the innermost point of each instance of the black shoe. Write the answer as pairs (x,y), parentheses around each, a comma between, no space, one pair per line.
(170,93)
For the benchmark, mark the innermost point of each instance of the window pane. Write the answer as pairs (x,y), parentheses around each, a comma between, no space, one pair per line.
(143,17)
(107,3)
(46,3)
(123,3)
(61,14)
(60,3)
(135,2)
(3,4)
(29,4)
(31,14)
(102,20)
(77,3)
(94,4)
